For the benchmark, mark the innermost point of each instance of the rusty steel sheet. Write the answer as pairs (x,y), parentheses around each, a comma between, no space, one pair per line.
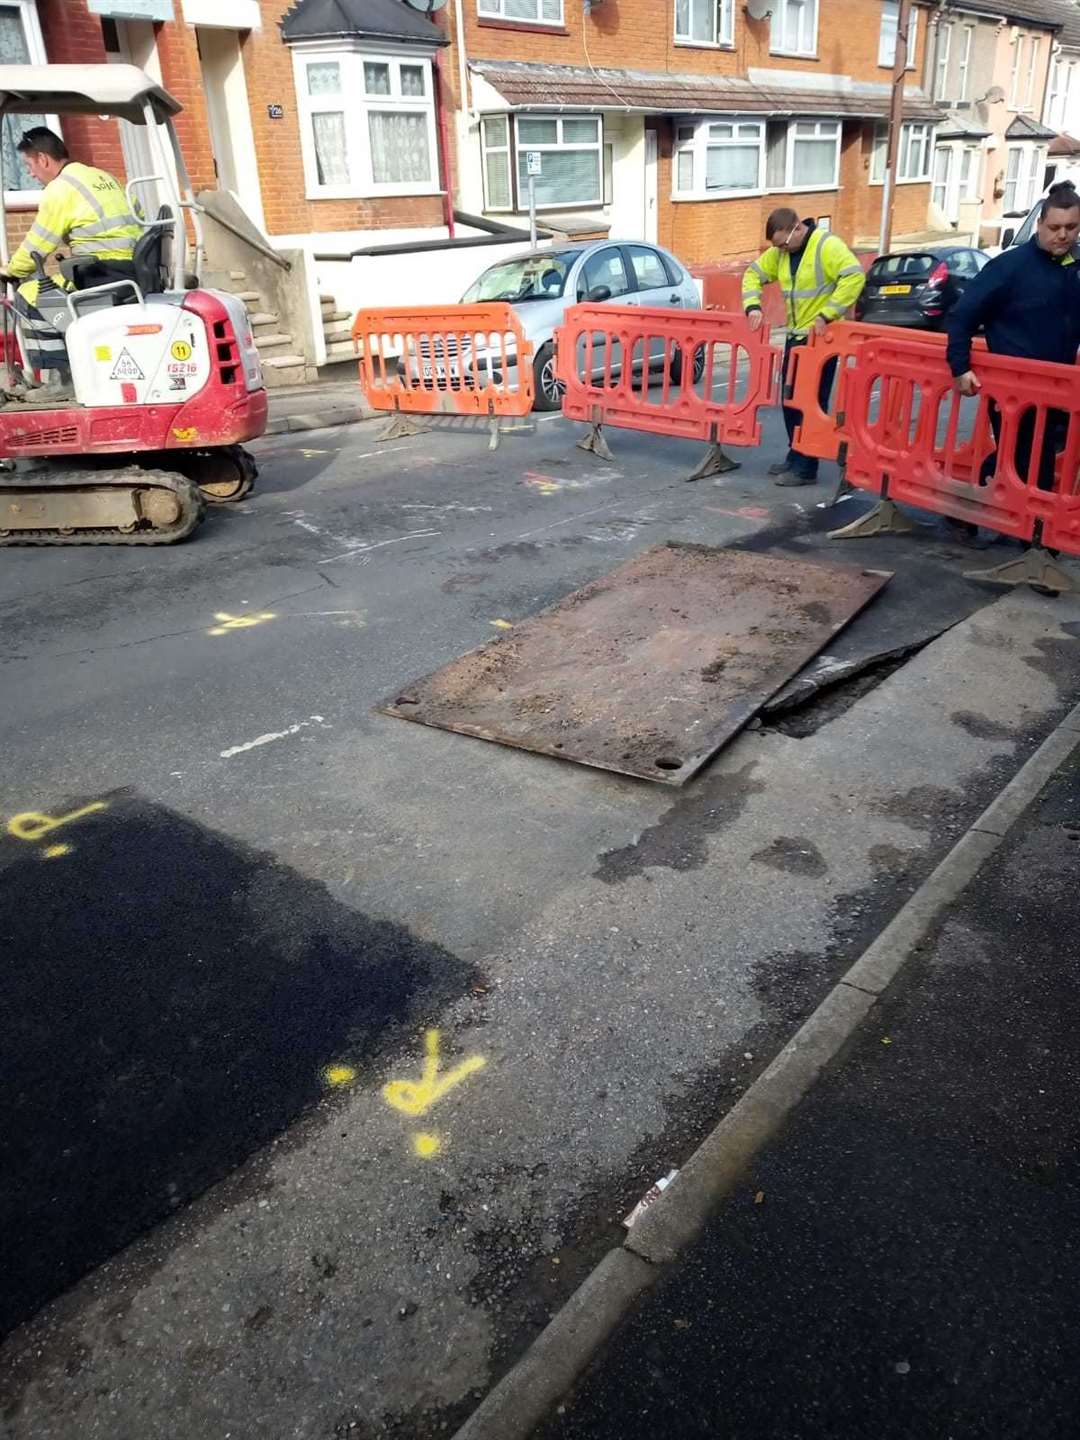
(650,669)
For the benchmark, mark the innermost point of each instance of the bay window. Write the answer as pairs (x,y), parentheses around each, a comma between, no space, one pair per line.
(716,158)
(20,44)
(704,22)
(367,124)
(1023,167)
(572,154)
(913,155)
(794,27)
(534,12)
(814,154)
(890,23)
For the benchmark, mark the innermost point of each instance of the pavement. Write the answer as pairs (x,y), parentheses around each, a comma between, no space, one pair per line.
(903,1259)
(334,400)
(246,904)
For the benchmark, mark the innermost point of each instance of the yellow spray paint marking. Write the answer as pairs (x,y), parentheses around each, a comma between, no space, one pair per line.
(501,624)
(416,1097)
(227,622)
(426,1145)
(338,1075)
(33,825)
(546,484)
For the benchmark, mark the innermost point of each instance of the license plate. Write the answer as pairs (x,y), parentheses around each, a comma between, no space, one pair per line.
(896,289)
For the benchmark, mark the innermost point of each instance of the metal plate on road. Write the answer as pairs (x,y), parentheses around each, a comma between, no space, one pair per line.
(650,669)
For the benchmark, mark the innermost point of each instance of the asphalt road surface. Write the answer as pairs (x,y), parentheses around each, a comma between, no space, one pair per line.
(337,1046)
(905,1259)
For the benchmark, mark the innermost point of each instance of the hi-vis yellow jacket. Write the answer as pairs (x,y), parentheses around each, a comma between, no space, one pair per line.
(84,209)
(829,280)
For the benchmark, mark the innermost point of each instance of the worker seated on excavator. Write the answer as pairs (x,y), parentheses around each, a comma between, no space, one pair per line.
(87,211)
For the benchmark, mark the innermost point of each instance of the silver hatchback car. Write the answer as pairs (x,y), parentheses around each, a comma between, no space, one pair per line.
(542,284)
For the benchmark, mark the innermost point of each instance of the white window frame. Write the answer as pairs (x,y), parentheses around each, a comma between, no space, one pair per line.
(1029,87)
(356,105)
(702,140)
(723,28)
(496,10)
(903,153)
(1024,184)
(518,199)
(964,68)
(791,184)
(35,46)
(1053,93)
(508,151)
(941,61)
(969,189)
(1014,72)
(887,53)
(807,43)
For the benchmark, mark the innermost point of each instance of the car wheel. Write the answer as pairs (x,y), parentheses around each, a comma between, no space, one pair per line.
(549,390)
(676,364)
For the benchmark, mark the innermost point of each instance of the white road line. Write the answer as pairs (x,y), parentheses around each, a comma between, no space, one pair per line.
(271,735)
(377,545)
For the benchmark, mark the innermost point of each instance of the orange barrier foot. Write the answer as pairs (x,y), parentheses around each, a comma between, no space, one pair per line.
(1036,567)
(883,519)
(715,463)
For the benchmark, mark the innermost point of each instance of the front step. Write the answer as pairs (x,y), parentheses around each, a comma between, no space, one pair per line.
(272,341)
(286,370)
(337,330)
(262,317)
(340,350)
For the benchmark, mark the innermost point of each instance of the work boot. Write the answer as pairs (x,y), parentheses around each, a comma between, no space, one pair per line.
(790,478)
(780,468)
(47,396)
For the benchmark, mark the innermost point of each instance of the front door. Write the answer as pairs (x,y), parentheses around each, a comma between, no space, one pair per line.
(651,190)
(229,117)
(945,195)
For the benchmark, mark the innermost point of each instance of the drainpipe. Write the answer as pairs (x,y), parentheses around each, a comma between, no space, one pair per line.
(446,173)
(462,58)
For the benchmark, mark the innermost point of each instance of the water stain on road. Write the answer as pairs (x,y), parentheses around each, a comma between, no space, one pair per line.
(795,854)
(172,999)
(679,839)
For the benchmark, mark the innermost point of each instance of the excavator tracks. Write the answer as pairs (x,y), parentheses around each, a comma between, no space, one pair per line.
(87,506)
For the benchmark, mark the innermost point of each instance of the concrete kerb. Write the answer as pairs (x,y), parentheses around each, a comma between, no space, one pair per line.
(319,419)
(545,1374)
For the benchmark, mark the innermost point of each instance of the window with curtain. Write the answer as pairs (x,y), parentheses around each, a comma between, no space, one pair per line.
(913,154)
(367,124)
(890,20)
(704,22)
(794,27)
(814,147)
(495,143)
(1013,179)
(1014,73)
(963,70)
(941,69)
(538,12)
(718,158)
(570,156)
(20,44)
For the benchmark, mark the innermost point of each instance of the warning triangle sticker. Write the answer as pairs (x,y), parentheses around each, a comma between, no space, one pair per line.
(126,369)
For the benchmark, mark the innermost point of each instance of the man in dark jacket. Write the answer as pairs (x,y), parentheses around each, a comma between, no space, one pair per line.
(1028,301)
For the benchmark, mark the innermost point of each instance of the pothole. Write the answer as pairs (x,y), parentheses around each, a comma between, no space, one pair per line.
(828,703)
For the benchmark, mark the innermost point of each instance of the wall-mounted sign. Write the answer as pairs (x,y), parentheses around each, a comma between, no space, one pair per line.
(276,112)
(534,162)
(133,9)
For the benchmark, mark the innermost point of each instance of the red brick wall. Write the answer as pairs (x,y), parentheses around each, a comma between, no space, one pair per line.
(73,37)
(269,73)
(639,35)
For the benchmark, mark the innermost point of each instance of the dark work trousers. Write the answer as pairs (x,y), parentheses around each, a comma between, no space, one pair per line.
(804,465)
(1054,437)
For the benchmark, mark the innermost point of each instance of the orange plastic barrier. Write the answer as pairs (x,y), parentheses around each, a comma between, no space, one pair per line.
(701,375)
(453,360)
(912,438)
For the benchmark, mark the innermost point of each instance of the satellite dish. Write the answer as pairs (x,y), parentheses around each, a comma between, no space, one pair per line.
(759,9)
(427,6)
(995,95)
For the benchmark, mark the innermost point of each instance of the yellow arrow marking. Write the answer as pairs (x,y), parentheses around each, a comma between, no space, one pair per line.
(416,1097)
(227,622)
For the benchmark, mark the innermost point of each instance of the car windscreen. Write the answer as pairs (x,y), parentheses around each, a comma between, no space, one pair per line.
(529,277)
(1027,229)
(901,267)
